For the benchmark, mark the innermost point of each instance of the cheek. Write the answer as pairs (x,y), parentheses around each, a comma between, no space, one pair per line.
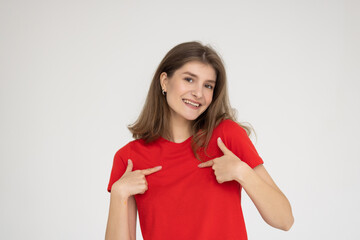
(177,89)
(208,98)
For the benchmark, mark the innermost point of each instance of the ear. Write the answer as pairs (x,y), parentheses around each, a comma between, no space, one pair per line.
(163,80)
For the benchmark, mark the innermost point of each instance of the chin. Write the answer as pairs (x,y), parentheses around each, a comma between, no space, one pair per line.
(191,117)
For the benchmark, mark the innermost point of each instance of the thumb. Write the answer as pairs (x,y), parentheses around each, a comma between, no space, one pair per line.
(129,166)
(222,146)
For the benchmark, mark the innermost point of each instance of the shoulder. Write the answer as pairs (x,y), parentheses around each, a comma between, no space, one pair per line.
(237,141)
(125,151)
(230,127)
(232,133)
(134,145)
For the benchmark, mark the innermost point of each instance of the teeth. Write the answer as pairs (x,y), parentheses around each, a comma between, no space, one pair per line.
(194,104)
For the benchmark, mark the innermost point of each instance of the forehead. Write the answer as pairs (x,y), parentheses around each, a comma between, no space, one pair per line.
(200,69)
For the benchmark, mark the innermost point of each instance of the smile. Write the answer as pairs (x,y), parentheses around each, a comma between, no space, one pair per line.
(191,103)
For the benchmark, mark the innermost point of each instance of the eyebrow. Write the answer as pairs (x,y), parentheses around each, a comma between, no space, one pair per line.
(194,75)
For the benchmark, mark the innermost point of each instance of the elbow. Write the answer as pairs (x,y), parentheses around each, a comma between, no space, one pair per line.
(283,224)
(288,224)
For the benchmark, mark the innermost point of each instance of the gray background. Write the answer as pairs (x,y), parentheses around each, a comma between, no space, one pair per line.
(75,73)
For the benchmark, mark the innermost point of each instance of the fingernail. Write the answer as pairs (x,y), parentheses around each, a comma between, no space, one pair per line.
(219,139)
(158,167)
(200,165)
(129,161)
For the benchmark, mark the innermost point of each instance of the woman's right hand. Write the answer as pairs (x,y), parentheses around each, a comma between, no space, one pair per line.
(133,182)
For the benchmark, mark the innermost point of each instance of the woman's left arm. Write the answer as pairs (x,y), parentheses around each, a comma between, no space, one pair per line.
(271,203)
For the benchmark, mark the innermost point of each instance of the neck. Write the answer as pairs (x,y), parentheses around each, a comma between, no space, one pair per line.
(180,129)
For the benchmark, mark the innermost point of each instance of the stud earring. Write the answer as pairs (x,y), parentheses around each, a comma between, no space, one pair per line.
(163,92)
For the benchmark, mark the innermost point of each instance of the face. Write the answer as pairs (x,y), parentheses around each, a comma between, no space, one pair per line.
(189,91)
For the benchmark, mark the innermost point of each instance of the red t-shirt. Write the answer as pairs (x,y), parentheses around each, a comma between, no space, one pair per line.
(184,201)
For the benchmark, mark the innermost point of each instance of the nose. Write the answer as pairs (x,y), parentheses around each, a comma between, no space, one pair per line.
(197,92)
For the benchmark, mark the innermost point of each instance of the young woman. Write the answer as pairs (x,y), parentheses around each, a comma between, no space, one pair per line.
(190,159)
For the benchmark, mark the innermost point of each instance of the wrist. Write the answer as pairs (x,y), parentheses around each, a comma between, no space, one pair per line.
(244,174)
(118,192)
(119,196)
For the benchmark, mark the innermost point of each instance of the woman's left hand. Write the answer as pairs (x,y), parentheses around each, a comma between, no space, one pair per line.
(227,167)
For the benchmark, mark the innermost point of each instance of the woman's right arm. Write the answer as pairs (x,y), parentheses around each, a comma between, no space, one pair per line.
(122,218)
(122,213)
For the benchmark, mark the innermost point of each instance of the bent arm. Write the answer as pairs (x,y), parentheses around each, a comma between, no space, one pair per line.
(271,203)
(122,218)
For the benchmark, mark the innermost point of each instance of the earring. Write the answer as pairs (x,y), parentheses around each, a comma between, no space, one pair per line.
(163,92)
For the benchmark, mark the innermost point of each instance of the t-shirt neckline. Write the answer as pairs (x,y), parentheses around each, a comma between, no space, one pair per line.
(174,143)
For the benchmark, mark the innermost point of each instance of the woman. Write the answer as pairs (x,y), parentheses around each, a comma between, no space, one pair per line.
(190,159)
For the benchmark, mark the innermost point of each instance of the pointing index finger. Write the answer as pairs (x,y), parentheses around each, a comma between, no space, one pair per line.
(206,164)
(151,170)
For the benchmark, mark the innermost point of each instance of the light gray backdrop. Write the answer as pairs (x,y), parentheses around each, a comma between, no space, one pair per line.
(75,73)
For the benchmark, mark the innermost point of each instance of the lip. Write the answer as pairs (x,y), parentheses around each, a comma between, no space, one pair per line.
(192,101)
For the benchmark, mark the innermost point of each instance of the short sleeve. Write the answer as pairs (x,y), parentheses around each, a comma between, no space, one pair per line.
(237,141)
(119,165)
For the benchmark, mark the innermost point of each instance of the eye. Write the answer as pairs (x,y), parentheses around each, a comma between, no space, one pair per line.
(188,79)
(209,86)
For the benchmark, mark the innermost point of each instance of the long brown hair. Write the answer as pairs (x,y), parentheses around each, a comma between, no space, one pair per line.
(154,119)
